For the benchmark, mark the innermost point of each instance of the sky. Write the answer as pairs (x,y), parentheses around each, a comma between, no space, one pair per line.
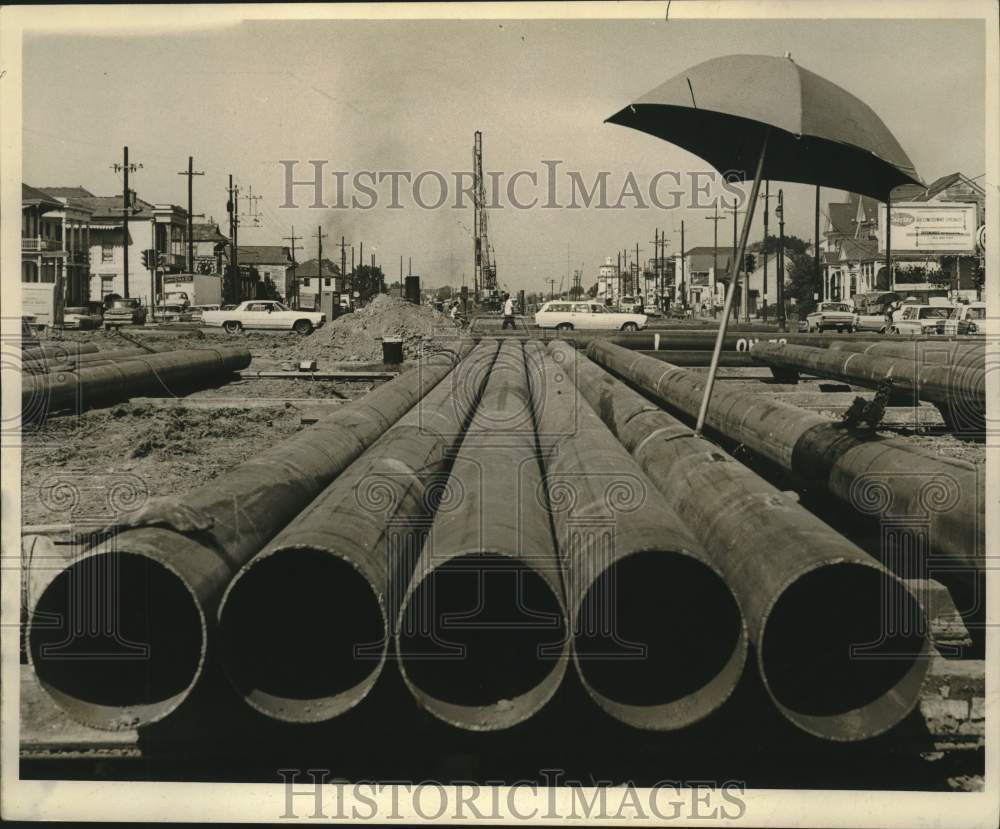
(408,96)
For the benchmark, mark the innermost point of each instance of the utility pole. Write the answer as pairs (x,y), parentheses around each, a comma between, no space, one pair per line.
(888,243)
(638,272)
(715,218)
(744,309)
(552,289)
(319,263)
(767,201)
(343,259)
(233,207)
(781,260)
(683,291)
(126,168)
(401,294)
(190,173)
(252,213)
(618,278)
(294,247)
(819,278)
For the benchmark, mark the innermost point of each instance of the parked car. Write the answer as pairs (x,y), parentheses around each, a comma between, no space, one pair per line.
(963,319)
(567,316)
(827,315)
(29,330)
(919,319)
(81,318)
(173,312)
(264,314)
(630,305)
(124,312)
(869,310)
(196,311)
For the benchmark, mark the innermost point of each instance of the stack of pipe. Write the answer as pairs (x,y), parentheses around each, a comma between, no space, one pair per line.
(330,582)
(815,603)
(45,394)
(957,388)
(882,478)
(659,639)
(148,613)
(482,638)
(68,362)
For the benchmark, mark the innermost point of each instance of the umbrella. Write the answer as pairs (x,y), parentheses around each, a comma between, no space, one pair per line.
(771,116)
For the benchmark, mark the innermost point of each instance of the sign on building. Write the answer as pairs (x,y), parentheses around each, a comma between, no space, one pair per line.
(918,227)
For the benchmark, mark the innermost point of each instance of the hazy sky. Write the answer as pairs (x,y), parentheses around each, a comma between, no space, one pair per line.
(409,95)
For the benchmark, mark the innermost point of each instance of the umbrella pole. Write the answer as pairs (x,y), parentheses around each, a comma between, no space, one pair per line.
(731,291)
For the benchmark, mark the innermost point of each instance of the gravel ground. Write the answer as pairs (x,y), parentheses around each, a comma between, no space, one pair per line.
(83,468)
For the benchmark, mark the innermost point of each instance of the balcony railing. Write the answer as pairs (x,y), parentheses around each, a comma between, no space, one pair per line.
(38,244)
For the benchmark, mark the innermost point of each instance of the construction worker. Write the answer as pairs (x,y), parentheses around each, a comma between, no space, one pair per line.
(508,311)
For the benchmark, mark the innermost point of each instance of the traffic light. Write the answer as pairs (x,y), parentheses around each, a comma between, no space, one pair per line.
(749,263)
(147,261)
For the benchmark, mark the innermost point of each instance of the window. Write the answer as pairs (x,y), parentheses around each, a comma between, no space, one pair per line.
(598,309)
(107,252)
(107,284)
(326,281)
(581,308)
(305,282)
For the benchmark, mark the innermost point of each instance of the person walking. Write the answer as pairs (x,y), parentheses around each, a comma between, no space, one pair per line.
(508,312)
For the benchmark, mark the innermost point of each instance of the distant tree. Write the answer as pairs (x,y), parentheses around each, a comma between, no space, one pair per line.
(444,293)
(368,282)
(793,244)
(575,292)
(802,281)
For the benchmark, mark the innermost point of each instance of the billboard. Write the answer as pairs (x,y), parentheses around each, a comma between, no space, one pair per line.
(918,227)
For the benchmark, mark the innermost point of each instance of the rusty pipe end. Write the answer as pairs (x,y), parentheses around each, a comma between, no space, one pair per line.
(660,641)
(844,648)
(118,637)
(303,634)
(482,640)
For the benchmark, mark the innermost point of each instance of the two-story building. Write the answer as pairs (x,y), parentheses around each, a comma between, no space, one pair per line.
(210,248)
(307,275)
(158,227)
(273,263)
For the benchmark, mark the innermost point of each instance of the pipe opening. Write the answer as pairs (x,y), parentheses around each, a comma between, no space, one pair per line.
(300,627)
(654,627)
(840,638)
(116,631)
(481,628)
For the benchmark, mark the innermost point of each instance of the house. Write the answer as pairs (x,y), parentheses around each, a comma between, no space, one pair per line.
(210,246)
(53,254)
(272,262)
(854,259)
(307,275)
(755,281)
(705,274)
(158,227)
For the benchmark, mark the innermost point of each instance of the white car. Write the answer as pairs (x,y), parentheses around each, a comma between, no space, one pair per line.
(259,314)
(919,319)
(964,319)
(568,316)
(838,315)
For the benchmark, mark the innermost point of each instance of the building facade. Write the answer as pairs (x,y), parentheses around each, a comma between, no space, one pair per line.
(308,283)
(273,264)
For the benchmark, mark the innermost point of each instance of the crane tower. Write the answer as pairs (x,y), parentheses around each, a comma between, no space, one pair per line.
(485,271)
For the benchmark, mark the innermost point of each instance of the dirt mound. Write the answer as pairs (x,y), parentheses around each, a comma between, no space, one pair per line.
(358,336)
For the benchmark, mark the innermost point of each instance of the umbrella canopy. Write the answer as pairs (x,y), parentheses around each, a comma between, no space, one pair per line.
(819,133)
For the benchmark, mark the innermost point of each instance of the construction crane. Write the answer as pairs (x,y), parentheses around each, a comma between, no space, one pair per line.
(485,272)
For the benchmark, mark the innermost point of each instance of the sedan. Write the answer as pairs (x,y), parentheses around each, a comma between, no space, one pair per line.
(81,318)
(568,316)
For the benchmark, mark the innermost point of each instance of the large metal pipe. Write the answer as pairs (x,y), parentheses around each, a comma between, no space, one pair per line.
(879,477)
(739,341)
(55,350)
(42,363)
(304,626)
(810,596)
(482,635)
(701,359)
(959,391)
(46,394)
(659,639)
(152,595)
(949,353)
